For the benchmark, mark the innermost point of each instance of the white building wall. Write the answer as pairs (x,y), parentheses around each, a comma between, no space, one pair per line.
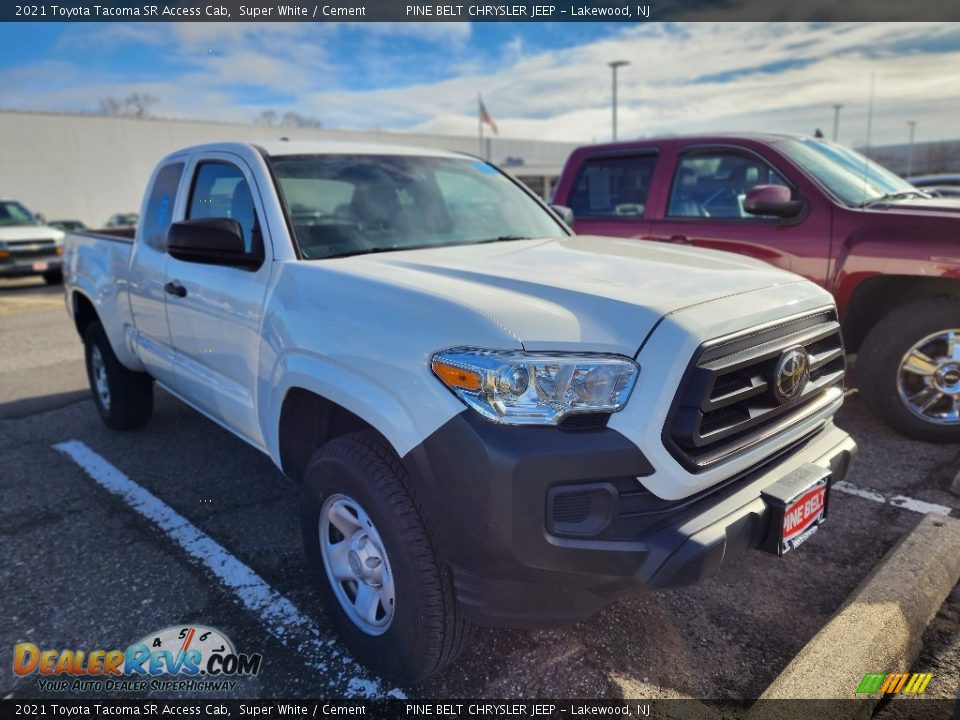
(88,167)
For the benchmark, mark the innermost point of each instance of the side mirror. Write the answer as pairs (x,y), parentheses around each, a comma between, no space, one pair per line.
(775,200)
(564,213)
(214,241)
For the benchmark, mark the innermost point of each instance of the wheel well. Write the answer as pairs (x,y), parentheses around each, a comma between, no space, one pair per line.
(875,297)
(307,422)
(83,312)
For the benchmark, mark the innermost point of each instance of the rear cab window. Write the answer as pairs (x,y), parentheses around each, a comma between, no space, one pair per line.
(613,186)
(159,213)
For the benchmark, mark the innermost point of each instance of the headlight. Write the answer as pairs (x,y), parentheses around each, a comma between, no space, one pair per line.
(521,388)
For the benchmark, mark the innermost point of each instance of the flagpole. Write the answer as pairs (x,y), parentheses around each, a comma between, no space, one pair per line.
(479,127)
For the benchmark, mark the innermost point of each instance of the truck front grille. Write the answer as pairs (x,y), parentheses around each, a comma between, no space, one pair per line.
(729,398)
(25,249)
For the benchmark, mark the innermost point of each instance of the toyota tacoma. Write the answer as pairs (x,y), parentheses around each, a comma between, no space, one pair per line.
(491,420)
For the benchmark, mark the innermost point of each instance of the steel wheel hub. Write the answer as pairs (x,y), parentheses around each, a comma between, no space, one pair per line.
(356,564)
(100,382)
(929,378)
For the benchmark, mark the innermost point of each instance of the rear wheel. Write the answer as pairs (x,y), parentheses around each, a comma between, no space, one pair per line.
(909,369)
(384,589)
(124,398)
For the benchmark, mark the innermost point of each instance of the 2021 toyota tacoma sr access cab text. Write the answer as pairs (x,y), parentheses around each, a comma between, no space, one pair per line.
(889,252)
(492,420)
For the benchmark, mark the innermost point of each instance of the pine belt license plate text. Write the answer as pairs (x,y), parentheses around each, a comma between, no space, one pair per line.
(803,516)
(40,266)
(798,505)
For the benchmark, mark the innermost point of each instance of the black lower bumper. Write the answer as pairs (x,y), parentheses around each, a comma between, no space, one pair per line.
(543,526)
(24,267)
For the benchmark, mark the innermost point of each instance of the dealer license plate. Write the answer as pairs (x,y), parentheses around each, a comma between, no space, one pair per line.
(798,504)
(40,266)
(803,515)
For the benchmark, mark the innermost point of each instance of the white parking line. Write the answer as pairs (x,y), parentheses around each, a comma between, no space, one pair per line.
(279,616)
(918,506)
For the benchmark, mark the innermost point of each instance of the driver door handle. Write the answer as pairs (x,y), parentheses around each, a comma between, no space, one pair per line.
(175,288)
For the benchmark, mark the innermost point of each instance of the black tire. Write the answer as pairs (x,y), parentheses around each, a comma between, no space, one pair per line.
(130,394)
(53,277)
(880,357)
(427,630)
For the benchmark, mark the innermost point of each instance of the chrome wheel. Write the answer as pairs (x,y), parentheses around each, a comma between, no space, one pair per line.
(929,378)
(100,382)
(357,565)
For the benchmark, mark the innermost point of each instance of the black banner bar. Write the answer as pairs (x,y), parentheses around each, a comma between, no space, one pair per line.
(906,709)
(621,11)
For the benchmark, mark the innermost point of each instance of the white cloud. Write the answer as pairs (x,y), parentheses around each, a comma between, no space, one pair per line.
(689,78)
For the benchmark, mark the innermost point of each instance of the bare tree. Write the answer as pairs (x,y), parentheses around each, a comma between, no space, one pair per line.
(134,105)
(266,117)
(140,104)
(111,106)
(294,119)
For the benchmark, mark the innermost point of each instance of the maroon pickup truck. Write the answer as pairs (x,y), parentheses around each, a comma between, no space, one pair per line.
(888,252)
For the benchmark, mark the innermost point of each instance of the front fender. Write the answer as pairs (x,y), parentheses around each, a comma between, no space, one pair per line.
(381,394)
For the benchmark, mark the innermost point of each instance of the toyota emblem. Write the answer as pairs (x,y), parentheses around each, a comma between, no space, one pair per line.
(791,374)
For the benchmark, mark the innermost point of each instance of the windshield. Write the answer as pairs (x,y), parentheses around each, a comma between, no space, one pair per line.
(852,177)
(13,213)
(352,204)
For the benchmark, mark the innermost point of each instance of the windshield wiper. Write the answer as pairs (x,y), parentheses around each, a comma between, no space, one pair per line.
(373,251)
(501,238)
(424,246)
(901,195)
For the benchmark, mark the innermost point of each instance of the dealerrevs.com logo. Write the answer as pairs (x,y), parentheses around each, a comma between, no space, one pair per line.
(186,658)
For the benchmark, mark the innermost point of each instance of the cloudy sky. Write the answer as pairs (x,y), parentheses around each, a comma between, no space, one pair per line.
(547,81)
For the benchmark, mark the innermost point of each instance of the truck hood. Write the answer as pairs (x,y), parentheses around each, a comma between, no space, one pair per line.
(931,206)
(596,293)
(29,232)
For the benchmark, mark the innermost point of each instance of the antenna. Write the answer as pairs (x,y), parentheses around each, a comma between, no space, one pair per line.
(866,150)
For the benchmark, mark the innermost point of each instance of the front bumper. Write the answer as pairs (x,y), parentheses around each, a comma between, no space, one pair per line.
(13,267)
(543,526)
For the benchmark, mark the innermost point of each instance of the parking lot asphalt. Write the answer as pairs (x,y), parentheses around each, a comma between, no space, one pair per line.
(80,568)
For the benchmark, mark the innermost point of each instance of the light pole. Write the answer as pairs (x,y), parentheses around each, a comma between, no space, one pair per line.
(913,132)
(836,120)
(614,66)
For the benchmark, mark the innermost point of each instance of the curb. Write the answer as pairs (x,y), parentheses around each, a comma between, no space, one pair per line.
(879,628)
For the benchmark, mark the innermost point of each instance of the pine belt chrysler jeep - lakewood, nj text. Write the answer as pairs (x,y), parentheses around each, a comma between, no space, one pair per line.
(492,420)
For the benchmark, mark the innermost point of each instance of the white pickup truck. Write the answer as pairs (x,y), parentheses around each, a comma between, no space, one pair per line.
(492,420)
(27,246)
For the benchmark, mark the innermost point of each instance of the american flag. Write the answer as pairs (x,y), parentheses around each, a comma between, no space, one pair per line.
(485,117)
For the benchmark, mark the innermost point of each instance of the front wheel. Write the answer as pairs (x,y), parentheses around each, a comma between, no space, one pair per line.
(124,398)
(909,369)
(385,591)
(53,277)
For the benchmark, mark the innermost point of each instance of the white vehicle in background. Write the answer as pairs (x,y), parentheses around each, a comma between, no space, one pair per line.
(122,220)
(492,420)
(27,247)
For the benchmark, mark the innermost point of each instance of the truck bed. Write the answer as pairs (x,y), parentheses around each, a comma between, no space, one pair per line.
(121,234)
(97,263)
